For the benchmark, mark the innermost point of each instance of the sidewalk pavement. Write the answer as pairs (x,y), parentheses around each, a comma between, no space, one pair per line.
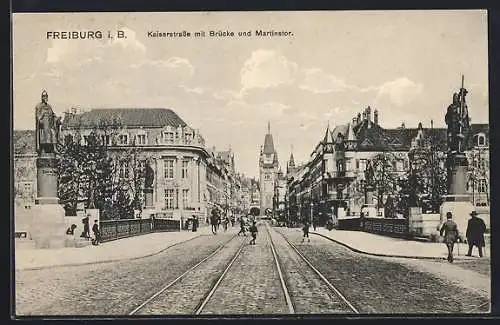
(372,244)
(116,250)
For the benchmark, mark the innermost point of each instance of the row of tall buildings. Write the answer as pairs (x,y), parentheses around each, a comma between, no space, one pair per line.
(334,177)
(185,176)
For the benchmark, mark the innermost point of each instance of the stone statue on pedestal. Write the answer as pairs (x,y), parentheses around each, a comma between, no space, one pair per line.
(47,126)
(457,119)
(369,174)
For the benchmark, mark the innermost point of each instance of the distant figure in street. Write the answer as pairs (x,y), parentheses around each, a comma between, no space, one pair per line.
(450,231)
(97,233)
(305,229)
(225,223)
(475,233)
(253,232)
(195,223)
(314,224)
(86,228)
(232,221)
(71,230)
(213,221)
(242,226)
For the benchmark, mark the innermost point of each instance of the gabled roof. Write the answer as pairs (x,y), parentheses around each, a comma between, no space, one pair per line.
(131,117)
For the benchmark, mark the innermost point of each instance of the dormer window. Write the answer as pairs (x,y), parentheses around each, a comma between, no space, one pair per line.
(481,140)
(168,137)
(141,138)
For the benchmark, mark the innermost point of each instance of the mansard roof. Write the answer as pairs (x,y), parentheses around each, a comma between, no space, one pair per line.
(131,117)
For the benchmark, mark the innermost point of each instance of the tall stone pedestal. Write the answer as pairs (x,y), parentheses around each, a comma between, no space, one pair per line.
(48,227)
(457,201)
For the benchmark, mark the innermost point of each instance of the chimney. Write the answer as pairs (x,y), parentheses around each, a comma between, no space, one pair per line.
(432,124)
(359,118)
(403,125)
(354,121)
(364,115)
(375,116)
(369,113)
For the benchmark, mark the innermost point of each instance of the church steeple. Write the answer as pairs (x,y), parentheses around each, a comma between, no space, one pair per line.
(291,162)
(268,127)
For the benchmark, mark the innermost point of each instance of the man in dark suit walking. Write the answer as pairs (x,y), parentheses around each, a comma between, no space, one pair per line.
(475,233)
(450,231)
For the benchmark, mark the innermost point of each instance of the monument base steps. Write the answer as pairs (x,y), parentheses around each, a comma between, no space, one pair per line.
(461,214)
(48,229)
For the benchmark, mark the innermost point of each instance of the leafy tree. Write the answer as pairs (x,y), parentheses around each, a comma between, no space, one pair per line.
(84,172)
(428,177)
(385,176)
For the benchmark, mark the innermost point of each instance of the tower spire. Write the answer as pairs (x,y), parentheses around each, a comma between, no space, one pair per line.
(268,127)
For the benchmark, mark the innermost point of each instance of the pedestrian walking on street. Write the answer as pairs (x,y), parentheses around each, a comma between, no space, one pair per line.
(97,233)
(314,224)
(450,231)
(242,226)
(86,228)
(253,232)
(475,233)
(226,223)
(305,229)
(213,221)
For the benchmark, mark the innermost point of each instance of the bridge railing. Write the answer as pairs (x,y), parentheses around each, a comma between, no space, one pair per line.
(123,228)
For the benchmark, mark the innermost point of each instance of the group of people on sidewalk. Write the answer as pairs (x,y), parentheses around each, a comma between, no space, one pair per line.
(86,231)
(474,234)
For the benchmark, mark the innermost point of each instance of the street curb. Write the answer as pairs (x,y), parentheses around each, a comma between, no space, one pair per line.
(379,255)
(111,260)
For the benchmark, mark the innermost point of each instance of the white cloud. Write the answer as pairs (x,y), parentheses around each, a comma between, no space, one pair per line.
(317,81)
(400,91)
(265,69)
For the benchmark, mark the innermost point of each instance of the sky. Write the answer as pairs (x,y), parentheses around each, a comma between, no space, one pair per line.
(405,64)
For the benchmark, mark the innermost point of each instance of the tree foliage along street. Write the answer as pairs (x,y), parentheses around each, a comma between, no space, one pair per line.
(92,174)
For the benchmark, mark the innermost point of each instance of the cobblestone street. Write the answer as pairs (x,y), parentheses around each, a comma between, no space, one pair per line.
(391,285)
(107,289)
(252,283)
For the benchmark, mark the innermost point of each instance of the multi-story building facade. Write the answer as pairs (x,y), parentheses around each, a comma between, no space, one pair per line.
(268,171)
(334,176)
(188,179)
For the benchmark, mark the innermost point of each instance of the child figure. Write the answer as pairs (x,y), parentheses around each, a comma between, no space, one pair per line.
(253,232)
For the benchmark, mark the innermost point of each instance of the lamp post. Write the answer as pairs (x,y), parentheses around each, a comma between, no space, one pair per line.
(311,216)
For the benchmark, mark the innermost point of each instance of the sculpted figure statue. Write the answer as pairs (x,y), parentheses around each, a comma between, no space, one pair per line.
(47,126)
(149,175)
(457,120)
(369,173)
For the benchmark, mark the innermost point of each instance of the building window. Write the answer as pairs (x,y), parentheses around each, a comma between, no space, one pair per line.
(141,139)
(123,139)
(394,165)
(169,198)
(482,186)
(185,165)
(185,198)
(105,140)
(168,137)
(481,140)
(169,168)
(123,169)
(357,164)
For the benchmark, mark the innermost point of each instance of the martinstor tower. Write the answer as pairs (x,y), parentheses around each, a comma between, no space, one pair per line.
(268,170)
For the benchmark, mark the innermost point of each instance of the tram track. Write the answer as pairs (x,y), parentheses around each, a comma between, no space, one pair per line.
(153,299)
(347,305)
